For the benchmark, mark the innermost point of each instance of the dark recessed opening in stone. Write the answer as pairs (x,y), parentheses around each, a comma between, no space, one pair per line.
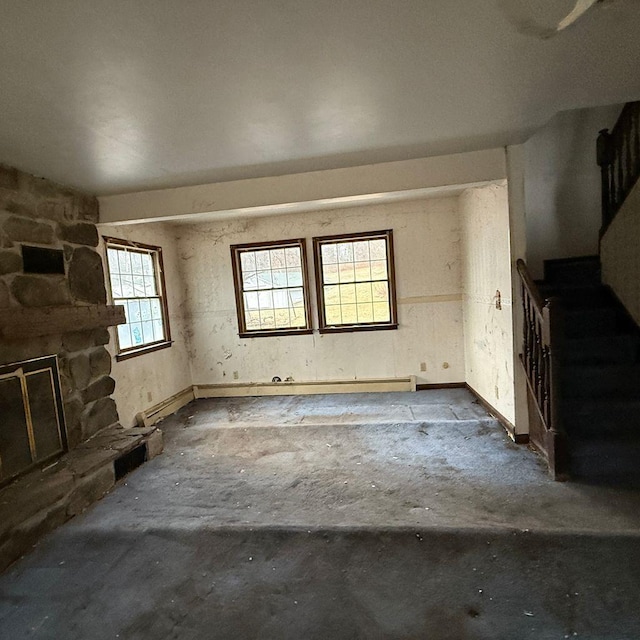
(129,461)
(39,260)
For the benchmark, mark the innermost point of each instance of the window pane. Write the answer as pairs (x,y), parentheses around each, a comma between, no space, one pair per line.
(332,314)
(124,336)
(125,261)
(136,334)
(347,293)
(378,249)
(379,270)
(296,297)
(250,280)
(134,311)
(147,331)
(365,312)
(114,265)
(267,319)
(150,286)
(345,252)
(280,299)
(332,295)
(279,277)
(158,330)
(347,272)
(127,286)
(380,291)
(264,280)
(156,312)
(250,301)
(294,278)
(248,261)
(277,259)
(265,299)
(349,314)
(262,260)
(145,310)
(292,255)
(116,287)
(147,264)
(361,251)
(282,318)
(364,292)
(329,253)
(381,312)
(362,271)
(136,263)
(330,273)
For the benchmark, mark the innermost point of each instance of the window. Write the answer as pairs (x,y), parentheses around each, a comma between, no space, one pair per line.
(355,281)
(271,288)
(137,283)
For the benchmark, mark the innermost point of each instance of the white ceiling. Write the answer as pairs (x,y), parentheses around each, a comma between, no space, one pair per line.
(114,96)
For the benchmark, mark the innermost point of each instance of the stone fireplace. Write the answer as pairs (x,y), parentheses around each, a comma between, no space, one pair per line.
(61,446)
(53,304)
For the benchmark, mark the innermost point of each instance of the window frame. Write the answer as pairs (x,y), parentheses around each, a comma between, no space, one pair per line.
(324,327)
(158,267)
(236,252)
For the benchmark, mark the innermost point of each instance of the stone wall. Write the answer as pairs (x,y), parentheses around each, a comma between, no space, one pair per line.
(39,213)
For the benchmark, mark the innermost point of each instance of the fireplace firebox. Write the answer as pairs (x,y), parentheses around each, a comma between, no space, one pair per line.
(32,426)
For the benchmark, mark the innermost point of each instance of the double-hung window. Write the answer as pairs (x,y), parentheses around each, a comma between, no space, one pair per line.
(355,282)
(136,281)
(271,288)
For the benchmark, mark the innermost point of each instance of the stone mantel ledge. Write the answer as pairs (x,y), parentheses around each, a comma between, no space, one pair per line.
(26,322)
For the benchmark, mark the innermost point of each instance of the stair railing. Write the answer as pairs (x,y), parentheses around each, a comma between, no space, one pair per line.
(542,344)
(618,154)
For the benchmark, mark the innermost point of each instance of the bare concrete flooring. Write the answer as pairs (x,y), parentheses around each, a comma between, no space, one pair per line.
(404,515)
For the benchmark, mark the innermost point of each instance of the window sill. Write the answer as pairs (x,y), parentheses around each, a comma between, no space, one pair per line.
(358,327)
(275,332)
(149,348)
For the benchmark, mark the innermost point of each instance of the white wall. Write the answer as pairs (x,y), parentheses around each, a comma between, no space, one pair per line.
(620,255)
(149,378)
(486,269)
(562,186)
(427,250)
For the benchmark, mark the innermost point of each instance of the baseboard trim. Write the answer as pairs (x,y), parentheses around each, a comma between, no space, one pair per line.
(441,385)
(518,438)
(165,408)
(239,389)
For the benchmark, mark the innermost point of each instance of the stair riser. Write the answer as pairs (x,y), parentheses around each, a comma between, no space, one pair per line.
(591,323)
(611,350)
(585,382)
(575,272)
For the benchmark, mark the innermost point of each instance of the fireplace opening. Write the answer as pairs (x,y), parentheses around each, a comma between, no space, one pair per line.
(130,461)
(32,427)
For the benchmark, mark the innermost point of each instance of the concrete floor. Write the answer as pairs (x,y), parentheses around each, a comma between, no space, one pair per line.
(404,515)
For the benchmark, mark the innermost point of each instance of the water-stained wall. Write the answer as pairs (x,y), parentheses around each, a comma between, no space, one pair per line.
(428,342)
(149,378)
(486,279)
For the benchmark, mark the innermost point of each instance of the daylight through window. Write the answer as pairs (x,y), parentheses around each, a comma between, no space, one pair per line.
(355,281)
(271,288)
(136,279)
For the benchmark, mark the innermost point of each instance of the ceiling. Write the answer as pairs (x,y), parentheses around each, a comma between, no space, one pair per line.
(115,96)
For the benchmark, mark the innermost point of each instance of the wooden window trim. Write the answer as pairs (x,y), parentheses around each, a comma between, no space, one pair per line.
(318,241)
(132,352)
(236,251)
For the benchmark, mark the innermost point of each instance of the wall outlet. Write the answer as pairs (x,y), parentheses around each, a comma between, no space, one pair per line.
(235,375)
(423,366)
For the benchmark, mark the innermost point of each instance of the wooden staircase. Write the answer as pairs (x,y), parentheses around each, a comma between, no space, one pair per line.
(599,373)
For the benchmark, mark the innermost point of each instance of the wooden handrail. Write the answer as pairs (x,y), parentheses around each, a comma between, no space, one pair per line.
(542,345)
(618,153)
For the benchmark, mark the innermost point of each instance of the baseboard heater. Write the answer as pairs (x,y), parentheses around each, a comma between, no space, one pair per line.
(240,389)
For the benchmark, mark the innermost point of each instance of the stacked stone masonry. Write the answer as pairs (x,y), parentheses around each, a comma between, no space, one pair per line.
(39,213)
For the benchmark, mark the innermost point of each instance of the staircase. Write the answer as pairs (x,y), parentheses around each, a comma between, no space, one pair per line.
(599,373)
